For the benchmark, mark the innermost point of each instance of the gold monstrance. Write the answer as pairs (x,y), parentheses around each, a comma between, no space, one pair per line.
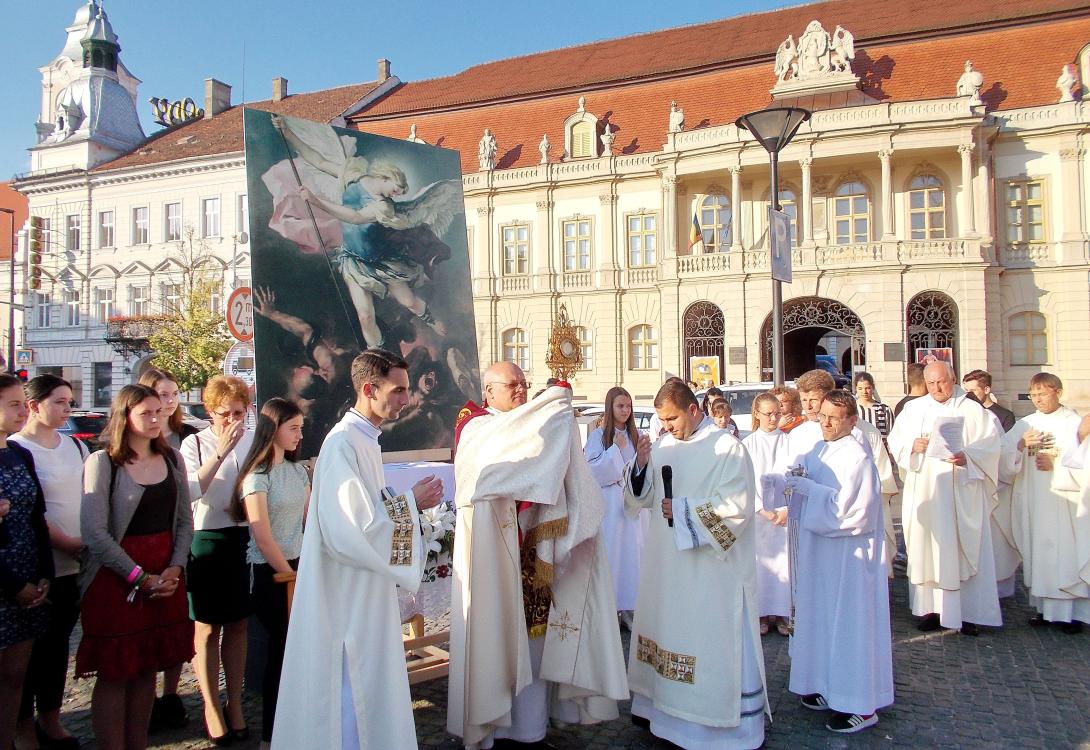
(565,350)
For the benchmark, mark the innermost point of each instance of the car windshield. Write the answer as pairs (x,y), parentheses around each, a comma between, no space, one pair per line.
(741,402)
(198,411)
(89,422)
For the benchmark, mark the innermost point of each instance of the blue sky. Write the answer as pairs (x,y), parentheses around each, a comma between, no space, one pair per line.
(173,45)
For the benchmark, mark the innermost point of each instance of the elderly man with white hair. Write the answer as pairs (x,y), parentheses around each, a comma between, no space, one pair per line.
(948,446)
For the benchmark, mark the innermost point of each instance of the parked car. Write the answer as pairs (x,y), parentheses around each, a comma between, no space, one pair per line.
(85,426)
(194,414)
(740,397)
(587,415)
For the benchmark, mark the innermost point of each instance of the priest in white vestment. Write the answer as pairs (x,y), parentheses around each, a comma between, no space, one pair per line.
(1049,514)
(948,447)
(345,686)
(610,450)
(813,385)
(695,665)
(770,527)
(841,653)
(534,633)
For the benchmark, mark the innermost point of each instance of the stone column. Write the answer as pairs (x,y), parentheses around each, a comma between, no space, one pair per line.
(886,155)
(735,208)
(805,204)
(967,226)
(1071,190)
(669,219)
(541,248)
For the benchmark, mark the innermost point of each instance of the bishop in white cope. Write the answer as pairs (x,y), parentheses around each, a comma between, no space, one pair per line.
(841,655)
(345,685)
(947,503)
(534,630)
(1050,516)
(695,666)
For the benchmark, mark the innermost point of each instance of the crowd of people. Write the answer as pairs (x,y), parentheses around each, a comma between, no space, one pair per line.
(697,538)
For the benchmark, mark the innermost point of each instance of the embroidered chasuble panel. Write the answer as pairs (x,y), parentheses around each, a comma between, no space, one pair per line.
(716,526)
(669,664)
(401,544)
(535,601)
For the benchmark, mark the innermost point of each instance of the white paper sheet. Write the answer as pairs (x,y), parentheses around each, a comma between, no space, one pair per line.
(946,437)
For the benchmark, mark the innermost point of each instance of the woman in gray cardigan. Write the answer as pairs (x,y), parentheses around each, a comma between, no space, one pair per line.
(136,524)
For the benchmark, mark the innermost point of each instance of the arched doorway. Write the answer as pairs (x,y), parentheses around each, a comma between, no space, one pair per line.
(817,332)
(704,330)
(931,322)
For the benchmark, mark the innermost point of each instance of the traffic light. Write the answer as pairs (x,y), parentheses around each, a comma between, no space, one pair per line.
(22,374)
(34,253)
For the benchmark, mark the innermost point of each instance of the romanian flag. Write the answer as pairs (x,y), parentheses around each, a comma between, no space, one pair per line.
(695,235)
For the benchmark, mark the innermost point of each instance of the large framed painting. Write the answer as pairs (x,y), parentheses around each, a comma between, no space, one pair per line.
(358,241)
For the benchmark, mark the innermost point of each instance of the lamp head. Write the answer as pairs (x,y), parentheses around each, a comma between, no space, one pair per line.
(774,127)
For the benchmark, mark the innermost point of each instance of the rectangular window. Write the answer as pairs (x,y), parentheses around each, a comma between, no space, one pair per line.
(642,239)
(71,308)
(140,225)
(215,302)
(172,299)
(104,383)
(72,233)
(577,245)
(172,231)
(1025,211)
(72,373)
(138,300)
(104,304)
(44,304)
(516,250)
(105,228)
(210,217)
(242,215)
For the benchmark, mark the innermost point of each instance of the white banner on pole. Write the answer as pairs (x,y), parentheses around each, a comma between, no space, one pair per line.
(779,234)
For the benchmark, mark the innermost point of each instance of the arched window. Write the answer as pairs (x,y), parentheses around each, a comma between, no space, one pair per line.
(582,140)
(932,322)
(926,208)
(586,344)
(643,348)
(851,207)
(1028,338)
(715,223)
(516,348)
(789,205)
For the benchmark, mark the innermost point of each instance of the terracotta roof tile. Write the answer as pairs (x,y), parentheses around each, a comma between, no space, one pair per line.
(638,110)
(222,134)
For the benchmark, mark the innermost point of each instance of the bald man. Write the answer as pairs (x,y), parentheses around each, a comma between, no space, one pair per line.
(947,505)
(533,632)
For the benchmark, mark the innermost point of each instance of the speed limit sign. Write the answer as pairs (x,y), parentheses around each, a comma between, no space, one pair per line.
(240,314)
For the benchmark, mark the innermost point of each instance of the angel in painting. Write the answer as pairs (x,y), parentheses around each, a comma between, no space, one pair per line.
(382,245)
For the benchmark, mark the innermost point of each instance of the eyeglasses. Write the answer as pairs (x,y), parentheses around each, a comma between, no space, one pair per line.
(831,420)
(229,414)
(769,414)
(514,385)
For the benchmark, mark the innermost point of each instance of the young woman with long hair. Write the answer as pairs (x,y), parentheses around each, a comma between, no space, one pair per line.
(136,523)
(610,450)
(26,561)
(272,492)
(58,461)
(169,711)
(870,406)
(217,574)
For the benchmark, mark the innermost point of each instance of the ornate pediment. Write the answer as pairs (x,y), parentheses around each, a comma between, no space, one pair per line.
(819,63)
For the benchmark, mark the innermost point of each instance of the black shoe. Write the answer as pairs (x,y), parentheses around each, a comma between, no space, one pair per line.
(969,628)
(225,740)
(236,735)
(850,723)
(1071,628)
(171,712)
(815,702)
(642,723)
(45,742)
(929,623)
(1038,620)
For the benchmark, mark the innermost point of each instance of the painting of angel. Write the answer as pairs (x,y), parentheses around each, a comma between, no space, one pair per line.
(358,241)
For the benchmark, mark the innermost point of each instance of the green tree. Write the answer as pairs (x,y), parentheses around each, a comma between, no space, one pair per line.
(193,340)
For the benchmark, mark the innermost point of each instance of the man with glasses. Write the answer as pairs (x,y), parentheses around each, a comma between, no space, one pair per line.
(533,632)
(947,503)
(841,655)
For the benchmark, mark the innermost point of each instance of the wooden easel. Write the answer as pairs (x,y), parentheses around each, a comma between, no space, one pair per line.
(424,659)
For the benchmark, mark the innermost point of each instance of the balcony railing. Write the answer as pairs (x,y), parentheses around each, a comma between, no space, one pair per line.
(128,335)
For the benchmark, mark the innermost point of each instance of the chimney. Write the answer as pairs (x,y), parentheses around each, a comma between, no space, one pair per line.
(383,69)
(217,97)
(280,88)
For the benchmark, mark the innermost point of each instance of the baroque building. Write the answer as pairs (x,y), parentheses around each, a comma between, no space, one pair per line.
(937,196)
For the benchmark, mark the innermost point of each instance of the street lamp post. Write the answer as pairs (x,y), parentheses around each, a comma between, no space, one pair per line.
(11,294)
(774,128)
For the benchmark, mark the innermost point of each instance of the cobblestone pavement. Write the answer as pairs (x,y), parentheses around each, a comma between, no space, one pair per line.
(1015,687)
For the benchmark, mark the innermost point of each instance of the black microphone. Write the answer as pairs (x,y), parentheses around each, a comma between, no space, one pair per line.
(668,488)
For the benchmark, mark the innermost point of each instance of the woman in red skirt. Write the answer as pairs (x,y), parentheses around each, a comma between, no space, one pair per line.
(137,525)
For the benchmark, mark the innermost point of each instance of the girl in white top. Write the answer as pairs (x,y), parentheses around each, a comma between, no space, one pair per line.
(217,574)
(58,461)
